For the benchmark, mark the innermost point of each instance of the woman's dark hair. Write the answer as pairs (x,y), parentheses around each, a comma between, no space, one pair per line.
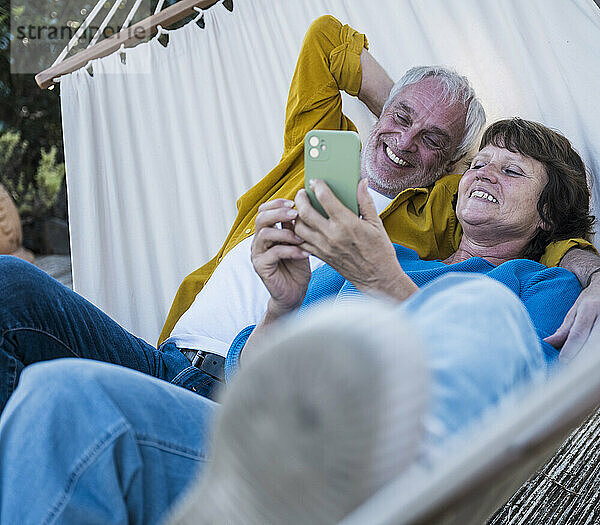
(565,201)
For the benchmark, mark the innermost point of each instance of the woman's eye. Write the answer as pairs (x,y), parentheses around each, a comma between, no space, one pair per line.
(512,173)
(477,165)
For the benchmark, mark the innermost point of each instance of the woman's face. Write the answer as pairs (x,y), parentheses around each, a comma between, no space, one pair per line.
(498,194)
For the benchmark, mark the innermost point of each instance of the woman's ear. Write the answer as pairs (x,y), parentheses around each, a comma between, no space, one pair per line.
(543,224)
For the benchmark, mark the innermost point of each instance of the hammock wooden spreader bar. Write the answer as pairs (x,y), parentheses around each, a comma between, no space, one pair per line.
(126,37)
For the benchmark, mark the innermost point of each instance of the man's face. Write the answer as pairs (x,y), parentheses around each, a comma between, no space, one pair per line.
(414,140)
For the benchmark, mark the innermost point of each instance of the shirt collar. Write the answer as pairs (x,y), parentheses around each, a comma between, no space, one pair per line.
(381,201)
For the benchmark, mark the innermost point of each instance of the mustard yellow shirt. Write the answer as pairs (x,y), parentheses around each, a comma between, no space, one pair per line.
(419,218)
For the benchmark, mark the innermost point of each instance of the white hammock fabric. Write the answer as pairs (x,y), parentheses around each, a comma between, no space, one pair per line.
(158,149)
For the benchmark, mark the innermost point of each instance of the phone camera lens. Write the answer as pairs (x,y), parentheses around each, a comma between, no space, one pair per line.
(314,153)
(314,141)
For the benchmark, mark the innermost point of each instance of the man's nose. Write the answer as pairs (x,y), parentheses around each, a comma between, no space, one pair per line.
(407,141)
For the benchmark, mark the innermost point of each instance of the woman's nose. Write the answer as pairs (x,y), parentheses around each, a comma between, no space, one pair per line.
(487,172)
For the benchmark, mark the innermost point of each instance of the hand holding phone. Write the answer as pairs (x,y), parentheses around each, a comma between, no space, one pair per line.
(334,157)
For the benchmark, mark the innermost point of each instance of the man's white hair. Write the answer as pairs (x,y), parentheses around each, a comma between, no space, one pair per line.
(456,88)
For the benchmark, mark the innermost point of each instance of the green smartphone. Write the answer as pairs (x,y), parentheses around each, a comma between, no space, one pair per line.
(333,156)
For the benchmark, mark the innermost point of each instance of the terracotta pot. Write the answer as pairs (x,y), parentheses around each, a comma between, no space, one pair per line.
(11,234)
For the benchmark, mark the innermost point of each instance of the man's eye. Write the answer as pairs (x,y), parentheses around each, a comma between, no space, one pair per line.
(477,165)
(432,143)
(402,119)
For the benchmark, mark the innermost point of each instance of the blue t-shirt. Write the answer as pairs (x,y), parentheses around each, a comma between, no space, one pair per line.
(547,293)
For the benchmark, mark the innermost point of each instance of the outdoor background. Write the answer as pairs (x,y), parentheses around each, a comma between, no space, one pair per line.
(31,148)
(31,152)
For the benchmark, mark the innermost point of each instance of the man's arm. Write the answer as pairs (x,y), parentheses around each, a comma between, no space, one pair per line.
(375,84)
(329,61)
(280,263)
(583,263)
(581,318)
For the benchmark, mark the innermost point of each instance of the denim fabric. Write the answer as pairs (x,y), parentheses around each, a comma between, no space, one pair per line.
(480,344)
(232,362)
(195,380)
(87,442)
(40,319)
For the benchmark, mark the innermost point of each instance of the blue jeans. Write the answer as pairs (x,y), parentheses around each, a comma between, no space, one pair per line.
(480,345)
(99,444)
(84,442)
(40,319)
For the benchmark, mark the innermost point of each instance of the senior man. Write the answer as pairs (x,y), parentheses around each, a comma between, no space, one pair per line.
(433,122)
(429,121)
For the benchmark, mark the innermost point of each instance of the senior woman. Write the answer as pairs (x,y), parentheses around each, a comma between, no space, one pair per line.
(526,187)
(95,443)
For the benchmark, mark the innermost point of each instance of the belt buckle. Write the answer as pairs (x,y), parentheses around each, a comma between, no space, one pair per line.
(211,364)
(198,358)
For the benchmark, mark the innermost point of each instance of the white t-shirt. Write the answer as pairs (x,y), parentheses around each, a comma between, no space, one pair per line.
(233,298)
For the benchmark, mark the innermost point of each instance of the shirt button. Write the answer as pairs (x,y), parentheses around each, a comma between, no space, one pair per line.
(248,230)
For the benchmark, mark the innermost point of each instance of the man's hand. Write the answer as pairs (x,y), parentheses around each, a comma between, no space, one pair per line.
(358,248)
(278,258)
(580,322)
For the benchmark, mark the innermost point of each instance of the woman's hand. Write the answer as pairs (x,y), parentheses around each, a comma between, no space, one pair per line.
(358,248)
(277,258)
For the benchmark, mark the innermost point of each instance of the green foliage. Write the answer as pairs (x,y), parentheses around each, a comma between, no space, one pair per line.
(34,190)
(50,174)
(31,163)
(12,150)
(49,177)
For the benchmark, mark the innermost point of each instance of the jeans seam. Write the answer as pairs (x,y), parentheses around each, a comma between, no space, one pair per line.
(12,376)
(181,374)
(37,330)
(149,441)
(81,466)
(13,372)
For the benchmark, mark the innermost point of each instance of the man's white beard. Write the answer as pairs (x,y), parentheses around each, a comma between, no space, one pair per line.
(375,182)
(392,188)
